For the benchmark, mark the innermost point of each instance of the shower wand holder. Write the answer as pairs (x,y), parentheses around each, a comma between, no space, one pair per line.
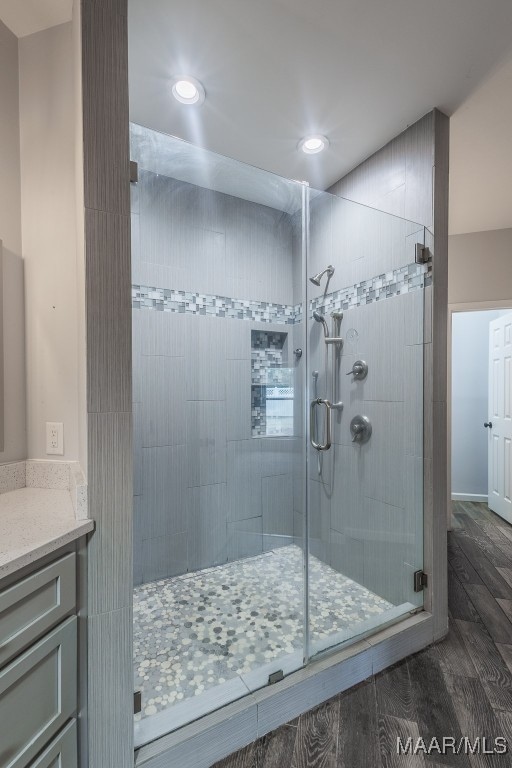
(334,340)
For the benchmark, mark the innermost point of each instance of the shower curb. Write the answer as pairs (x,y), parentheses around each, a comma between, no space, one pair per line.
(215,736)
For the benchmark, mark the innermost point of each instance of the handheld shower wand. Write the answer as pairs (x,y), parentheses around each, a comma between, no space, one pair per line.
(321,319)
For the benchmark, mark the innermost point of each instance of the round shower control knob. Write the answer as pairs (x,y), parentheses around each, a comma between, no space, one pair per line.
(360,429)
(359,370)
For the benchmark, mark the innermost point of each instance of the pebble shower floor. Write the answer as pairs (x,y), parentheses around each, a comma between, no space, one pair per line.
(199,630)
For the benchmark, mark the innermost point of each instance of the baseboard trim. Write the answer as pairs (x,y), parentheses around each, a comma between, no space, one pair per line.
(478,497)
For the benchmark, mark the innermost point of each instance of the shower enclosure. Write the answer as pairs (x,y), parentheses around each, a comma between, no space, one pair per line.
(278,426)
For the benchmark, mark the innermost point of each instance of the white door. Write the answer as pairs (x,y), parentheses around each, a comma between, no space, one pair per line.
(500,416)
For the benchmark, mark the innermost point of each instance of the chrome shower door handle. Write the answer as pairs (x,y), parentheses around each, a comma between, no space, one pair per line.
(312,424)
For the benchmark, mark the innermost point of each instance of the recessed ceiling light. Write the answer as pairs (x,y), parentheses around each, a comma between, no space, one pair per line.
(188,90)
(313,144)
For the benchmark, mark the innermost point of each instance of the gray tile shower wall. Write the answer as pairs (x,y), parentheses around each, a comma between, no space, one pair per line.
(106,681)
(192,390)
(198,240)
(360,242)
(204,488)
(366,503)
(373,494)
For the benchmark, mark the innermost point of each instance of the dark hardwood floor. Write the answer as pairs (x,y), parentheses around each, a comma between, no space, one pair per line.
(461,686)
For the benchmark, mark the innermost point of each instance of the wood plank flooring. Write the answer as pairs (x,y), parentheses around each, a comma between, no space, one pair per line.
(461,686)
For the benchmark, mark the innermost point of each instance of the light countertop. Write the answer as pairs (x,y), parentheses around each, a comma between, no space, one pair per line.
(33,523)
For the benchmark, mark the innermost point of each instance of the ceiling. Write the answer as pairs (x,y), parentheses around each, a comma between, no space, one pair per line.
(481,157)
(24,17)
(359,71)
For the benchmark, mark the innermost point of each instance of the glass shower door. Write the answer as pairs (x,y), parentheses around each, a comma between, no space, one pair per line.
(365,375)
(217,273)
(278,430)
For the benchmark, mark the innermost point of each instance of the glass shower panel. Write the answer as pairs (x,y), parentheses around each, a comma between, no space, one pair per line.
(266,405)
(365,376)
(217,272)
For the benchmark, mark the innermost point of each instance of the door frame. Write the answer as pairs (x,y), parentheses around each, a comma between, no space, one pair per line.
(472,306)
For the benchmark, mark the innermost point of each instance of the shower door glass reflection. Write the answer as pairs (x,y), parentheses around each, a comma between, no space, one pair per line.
(217,273)
(365,357)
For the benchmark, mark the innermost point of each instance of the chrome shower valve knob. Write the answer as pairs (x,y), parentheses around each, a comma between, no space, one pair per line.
(359,370)
(360,429)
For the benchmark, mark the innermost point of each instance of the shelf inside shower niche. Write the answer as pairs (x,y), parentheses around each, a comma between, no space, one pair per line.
(271,385)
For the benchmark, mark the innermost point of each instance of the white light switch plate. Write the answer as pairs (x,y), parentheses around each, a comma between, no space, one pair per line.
(55,437)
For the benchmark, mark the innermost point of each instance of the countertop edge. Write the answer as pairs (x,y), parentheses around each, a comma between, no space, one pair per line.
(31,556)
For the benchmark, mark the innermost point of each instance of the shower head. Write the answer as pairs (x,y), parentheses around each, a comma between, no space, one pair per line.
(316,278)
(321,319)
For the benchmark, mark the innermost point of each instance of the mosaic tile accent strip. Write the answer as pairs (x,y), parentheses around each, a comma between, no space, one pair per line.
(169,300)
(258,411)
(268,371)
(267,359)
(268,340)
(399,281)
(196,631)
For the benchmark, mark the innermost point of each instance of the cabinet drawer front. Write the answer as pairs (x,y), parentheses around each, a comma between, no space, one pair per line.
(34,605)
(38,694)
(62,752)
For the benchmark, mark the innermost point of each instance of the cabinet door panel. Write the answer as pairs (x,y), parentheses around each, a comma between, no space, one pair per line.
(62,752)
(34,605)
(38,694)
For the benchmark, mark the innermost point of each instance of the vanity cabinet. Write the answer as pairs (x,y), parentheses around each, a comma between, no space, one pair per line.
(38,668)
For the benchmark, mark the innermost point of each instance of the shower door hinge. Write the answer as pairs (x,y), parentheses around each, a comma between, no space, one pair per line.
(420,581)
(137,702)
(423,255)
(275,677)
(134,172)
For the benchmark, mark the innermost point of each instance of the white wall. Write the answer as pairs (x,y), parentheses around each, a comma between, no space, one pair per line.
(481,157)
(80,239)
(470,354)
(49,234)
(479,273)
(10,233)
(480,266)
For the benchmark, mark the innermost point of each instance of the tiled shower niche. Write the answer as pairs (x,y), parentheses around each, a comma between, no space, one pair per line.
(271,385)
